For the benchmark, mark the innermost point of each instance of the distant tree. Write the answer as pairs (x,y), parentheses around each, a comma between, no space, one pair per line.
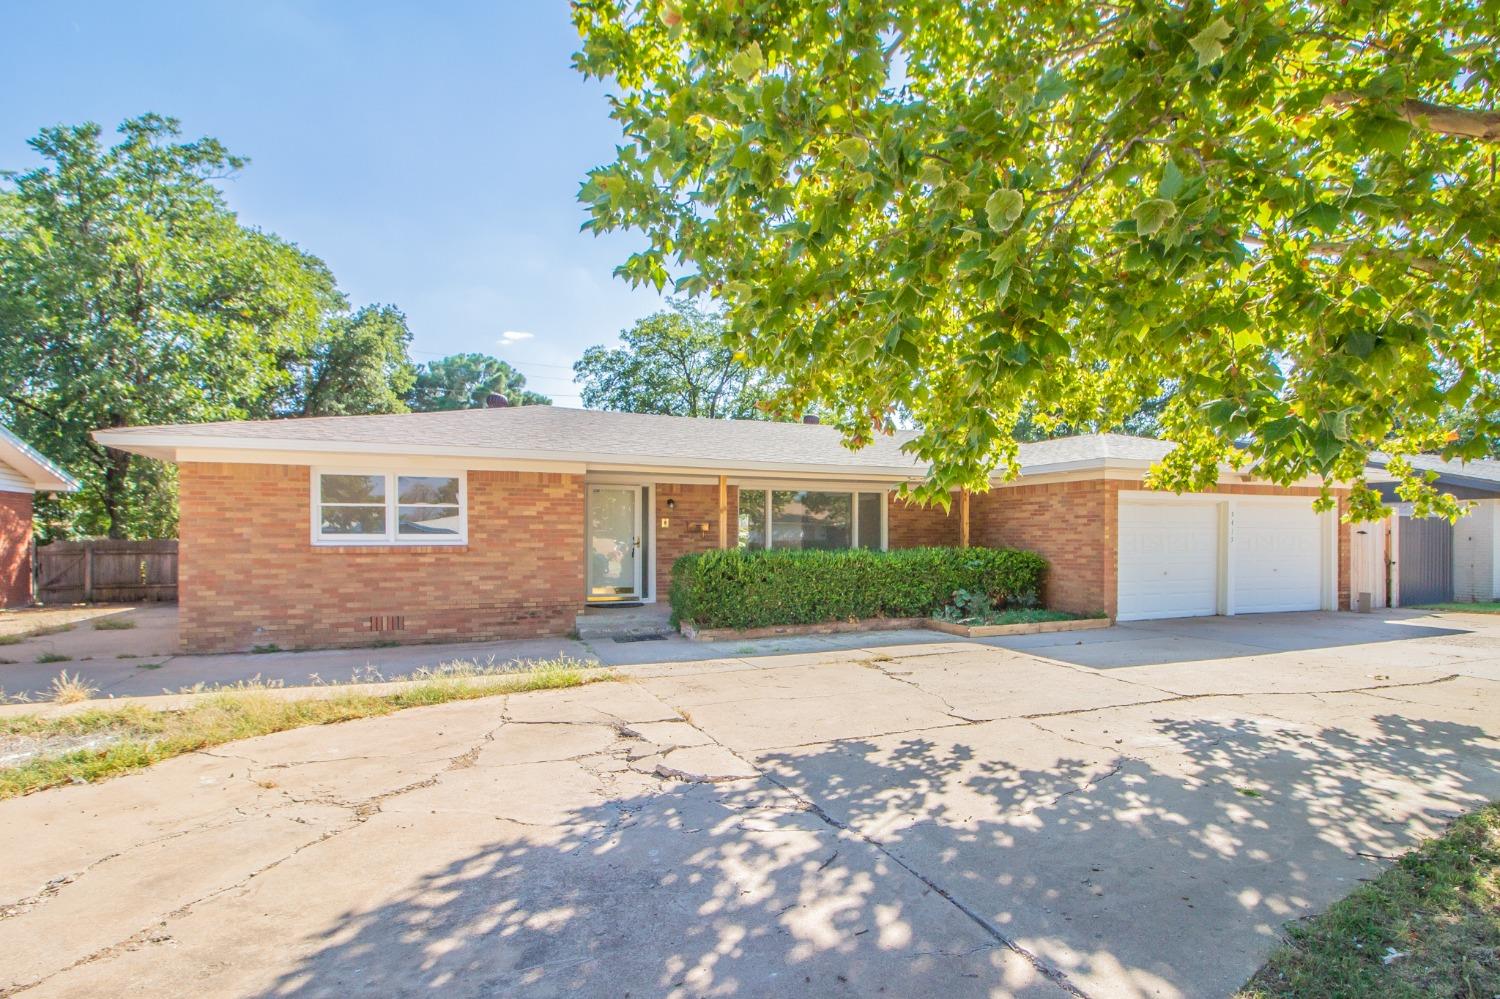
(131,294)
(676,363)
(359,365)
(464,381)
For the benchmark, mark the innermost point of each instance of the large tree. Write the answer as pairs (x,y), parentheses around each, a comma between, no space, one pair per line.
(674,362)
(359,365)
(465,381)
(964,210)
(130,294)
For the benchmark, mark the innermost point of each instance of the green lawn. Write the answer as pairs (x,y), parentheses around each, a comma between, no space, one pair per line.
(1480,607)
(118,740)
(1429,927)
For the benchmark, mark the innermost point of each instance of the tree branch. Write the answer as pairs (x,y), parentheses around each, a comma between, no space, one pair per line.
(1443,119)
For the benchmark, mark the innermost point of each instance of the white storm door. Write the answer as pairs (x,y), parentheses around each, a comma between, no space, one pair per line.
(1168,560)
(614,543)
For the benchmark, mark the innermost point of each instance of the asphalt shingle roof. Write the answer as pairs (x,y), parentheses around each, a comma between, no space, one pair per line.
(562,434)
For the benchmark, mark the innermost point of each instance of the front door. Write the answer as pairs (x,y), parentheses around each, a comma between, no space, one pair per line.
(614,543)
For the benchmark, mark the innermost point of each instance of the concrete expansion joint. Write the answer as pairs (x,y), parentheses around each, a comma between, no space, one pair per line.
(1053,974)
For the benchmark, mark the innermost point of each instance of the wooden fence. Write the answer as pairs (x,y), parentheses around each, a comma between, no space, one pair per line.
(70,572)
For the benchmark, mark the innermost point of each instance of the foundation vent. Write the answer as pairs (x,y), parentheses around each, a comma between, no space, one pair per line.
(387,622)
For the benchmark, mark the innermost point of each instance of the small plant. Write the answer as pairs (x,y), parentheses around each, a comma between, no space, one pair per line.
(53,657)
(150,665)
(71,689)
(261,650)
(51,629)
(113,624)
(972,603)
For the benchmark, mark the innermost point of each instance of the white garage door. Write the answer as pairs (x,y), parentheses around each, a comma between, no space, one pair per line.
(1278,556)
(1169,560)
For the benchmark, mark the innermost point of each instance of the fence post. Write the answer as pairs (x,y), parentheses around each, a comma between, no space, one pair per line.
(88,573)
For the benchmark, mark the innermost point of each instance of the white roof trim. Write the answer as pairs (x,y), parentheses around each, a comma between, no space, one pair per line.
(33,465)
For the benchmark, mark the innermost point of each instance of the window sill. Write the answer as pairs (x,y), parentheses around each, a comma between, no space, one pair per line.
(386,549)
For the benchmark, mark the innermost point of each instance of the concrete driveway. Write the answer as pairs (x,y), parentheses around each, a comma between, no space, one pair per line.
(1126,812)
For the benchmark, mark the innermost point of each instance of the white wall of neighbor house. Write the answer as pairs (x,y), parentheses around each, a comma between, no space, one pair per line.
(1476,553)
(12,481)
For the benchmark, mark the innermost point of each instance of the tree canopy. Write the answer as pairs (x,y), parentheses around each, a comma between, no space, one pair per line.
(967,211)
(465,381)
(130,294)
(674,362)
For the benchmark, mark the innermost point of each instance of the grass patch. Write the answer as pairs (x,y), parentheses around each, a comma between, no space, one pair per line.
(1428,927)
(53,657)
(113,624)
(138,736)
(22,636)
(1481,607)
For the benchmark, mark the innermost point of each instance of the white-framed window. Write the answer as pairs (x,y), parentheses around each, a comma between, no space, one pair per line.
(389,507)
(811,518)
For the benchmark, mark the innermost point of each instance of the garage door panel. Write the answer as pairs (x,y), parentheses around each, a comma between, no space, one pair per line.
(1278,557)
(1168,560)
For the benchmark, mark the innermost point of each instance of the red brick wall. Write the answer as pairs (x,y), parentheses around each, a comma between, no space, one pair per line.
(15,549)
(908,525)
(1070,524)
(1074,525)
(695,505)
(249,574)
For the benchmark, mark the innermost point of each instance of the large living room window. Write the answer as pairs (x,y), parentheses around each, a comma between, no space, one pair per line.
(811,518)
(388,508)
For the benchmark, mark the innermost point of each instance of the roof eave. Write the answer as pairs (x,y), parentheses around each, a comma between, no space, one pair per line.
(41,473)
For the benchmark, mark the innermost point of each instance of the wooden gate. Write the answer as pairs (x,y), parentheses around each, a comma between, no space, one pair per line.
(70,572)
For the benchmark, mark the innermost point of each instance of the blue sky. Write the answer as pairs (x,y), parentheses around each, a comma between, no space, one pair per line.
(430,153)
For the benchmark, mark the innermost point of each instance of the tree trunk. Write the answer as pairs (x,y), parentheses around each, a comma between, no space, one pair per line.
(116,474)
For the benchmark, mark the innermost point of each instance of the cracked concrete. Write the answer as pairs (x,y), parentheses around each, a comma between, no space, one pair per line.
(1097,816)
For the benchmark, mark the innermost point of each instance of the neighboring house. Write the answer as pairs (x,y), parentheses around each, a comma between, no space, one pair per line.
(23,473)
(1437,561)
(504,522)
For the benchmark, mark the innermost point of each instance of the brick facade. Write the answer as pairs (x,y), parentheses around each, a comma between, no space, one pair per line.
(1074,525)
(695,505)
(249,574)
(908,525)
(15,549)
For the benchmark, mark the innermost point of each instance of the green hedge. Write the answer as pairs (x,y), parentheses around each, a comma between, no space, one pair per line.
(734,588)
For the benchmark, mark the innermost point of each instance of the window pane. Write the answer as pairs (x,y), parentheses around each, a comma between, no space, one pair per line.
(869,519)
(434,520)
(752,518)
(426,489)
(354,489)
(810,520)
(353,519)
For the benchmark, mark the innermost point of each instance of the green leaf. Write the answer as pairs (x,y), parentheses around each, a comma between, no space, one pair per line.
(1170,184)
(1209,43)
(1003,208)
(854,149)
(748,62)
(1151,215)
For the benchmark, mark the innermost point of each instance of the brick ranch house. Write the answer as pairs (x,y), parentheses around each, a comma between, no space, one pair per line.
(504,522)
(23,474)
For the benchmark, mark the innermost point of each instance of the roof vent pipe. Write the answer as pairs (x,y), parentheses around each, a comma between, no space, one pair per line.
(811,419)
(496,401)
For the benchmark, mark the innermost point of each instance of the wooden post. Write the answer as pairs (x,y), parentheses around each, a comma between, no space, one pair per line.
(723,511)
(88,574)
(963,518)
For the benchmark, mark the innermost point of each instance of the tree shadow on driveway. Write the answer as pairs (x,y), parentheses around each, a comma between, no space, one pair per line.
(989,859)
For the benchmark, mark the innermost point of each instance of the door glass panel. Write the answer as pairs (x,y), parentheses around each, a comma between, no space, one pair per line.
(612,542)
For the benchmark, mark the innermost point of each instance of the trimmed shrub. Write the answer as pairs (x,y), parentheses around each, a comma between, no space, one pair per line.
(734,588)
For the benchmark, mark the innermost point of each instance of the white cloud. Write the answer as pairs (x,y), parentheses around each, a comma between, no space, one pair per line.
(512,337)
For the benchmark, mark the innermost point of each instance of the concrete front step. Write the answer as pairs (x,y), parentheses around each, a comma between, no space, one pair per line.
(623,622)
